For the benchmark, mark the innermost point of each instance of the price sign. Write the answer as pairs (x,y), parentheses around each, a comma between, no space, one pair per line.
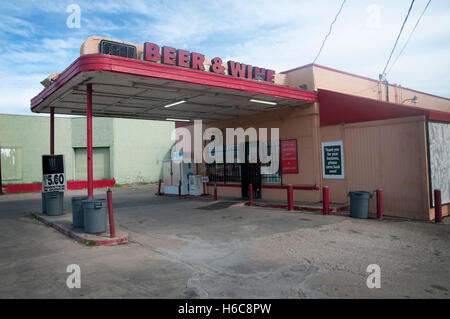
(53,173)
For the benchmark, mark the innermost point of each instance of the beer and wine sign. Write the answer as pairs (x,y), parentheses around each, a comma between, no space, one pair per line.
(196,61)
(53,173)
(333,160)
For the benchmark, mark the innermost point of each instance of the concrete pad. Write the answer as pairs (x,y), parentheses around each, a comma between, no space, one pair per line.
(63,224)
(193,249)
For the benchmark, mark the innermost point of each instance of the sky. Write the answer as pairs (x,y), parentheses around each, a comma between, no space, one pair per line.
(36,40)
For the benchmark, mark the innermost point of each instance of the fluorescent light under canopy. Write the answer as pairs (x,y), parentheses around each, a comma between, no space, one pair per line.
(175,103)
(263,102)
(178,120)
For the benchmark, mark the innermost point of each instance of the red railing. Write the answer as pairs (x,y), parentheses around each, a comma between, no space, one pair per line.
(289,194)
(267,186)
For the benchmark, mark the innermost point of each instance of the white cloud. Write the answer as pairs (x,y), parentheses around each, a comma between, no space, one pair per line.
(16,92)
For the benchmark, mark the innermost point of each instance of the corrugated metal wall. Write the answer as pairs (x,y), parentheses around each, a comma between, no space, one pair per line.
(391,155)
(388,154)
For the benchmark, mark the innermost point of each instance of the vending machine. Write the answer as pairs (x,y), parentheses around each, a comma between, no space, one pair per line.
(175,171)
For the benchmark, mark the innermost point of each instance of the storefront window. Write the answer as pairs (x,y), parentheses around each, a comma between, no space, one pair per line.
(274,178)
(232,172)
(227,172)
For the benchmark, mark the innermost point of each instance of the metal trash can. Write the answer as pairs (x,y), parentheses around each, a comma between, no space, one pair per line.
(77,211)
(95,213)
(54,203)
(359,204)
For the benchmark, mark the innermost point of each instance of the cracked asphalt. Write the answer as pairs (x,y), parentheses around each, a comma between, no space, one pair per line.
(198,249)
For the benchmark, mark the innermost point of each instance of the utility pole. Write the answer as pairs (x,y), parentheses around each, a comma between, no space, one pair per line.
(383,78)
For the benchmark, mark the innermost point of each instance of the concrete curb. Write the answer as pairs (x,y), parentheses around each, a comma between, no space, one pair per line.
(191,197)
(83,238)
(307,208)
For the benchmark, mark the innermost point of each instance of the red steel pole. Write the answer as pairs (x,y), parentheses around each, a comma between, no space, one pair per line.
(112,227)
(179,189)
(437,206)
(90,170)
(52,131)
(290,197)
(326,200)
(215,191)
(379,203)
(159,188)
(250,195)
(1,183)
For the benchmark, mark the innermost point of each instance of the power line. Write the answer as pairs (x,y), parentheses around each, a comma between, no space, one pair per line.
(410,35)
(329,31)
(398,37)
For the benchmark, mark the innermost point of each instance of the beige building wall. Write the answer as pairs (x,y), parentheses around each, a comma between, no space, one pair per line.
(343,82)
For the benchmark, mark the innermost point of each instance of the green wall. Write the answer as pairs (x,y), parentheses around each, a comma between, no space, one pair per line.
(31,134)
(137,147)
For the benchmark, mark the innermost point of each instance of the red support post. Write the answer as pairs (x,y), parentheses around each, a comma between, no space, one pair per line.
(159,188)
(215,191)
(52,130)
(112,227)
(1,183)
(326,200)
(179,188)
(90,170)
(379,203)
(290,197)
(250,195)
(437,206)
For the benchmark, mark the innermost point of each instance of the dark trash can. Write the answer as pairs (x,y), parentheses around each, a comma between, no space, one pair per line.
(77,211)
(95,213)
(54,203)
(359,204)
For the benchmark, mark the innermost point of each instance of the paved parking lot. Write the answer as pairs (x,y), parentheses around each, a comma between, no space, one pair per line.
(196,249)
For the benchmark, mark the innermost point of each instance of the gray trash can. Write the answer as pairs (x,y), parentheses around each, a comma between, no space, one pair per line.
(54,203)
(94,214)
(77,211)
(359,204)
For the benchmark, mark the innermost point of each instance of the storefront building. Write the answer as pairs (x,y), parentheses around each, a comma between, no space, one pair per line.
(336,129)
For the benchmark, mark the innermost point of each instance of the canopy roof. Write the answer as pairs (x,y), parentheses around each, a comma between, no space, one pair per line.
(130,88)
(339,108)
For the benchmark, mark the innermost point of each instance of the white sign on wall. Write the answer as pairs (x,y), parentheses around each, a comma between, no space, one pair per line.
(333,160)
